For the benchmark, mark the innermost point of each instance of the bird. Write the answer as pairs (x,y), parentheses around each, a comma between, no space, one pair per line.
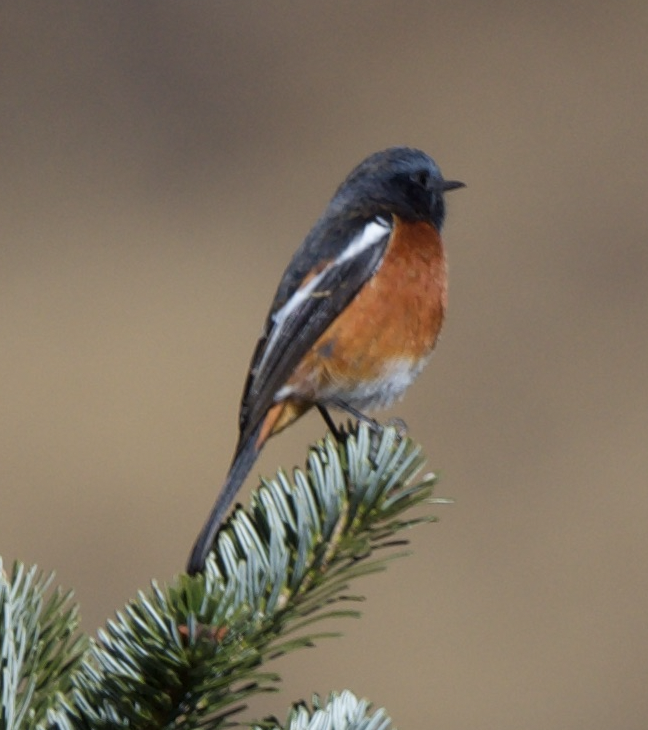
(356,315)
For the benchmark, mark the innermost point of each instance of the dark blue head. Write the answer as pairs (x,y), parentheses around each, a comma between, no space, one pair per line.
(397,181)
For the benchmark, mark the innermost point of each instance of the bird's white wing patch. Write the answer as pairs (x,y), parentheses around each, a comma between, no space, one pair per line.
(372,234)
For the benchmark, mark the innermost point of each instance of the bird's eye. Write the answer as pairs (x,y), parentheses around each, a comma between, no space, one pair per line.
(420,177)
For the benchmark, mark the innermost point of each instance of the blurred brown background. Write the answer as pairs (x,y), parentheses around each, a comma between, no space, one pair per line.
(160,163)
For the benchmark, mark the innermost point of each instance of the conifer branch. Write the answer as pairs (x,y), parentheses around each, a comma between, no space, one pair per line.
(39,648)
(190,654)
(343,711)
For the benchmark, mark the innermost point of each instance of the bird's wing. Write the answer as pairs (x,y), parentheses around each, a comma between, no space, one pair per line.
(293,327)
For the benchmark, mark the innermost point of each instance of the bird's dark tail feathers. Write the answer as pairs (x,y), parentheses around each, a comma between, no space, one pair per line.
(246,455)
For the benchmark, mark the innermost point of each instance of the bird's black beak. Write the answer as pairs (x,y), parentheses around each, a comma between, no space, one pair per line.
(451,185)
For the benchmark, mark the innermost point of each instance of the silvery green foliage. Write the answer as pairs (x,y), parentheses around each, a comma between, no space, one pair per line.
(340,711)
(190,654)
(39,649)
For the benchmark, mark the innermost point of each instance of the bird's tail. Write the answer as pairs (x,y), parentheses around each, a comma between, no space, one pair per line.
(249,447)
(246,455)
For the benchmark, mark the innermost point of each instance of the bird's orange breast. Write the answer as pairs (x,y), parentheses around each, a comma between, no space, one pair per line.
(388,329)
